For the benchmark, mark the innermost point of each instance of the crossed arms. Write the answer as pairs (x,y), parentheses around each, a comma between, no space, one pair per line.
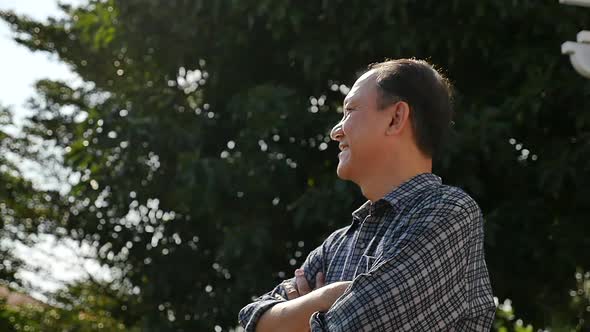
(293,315)
(418,284)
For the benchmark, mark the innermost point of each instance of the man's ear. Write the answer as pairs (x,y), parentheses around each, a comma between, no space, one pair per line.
(399,117)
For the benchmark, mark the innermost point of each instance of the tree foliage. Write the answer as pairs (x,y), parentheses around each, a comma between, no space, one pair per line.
(199,150)
(82,307)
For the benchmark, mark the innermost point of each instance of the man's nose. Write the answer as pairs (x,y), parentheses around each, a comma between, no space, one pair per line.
(337,133)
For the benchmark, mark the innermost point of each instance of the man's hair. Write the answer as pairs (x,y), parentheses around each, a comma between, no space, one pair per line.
(425,90)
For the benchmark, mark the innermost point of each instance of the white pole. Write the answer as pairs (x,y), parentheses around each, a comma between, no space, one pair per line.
(583,3)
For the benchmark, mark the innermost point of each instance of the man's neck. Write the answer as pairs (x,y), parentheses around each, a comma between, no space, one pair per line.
(381,183)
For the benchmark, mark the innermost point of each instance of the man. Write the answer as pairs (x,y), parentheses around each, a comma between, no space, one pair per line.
(413,257)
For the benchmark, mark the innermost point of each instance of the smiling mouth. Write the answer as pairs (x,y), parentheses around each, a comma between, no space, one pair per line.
(343,150)
(343,147)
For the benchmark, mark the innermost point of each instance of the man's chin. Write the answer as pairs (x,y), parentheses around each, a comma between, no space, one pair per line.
(343,172)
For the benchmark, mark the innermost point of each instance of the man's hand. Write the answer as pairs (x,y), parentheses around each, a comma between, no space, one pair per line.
(329,294)
(302,287)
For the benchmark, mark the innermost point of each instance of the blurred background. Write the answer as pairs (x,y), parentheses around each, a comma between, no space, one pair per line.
(164,162)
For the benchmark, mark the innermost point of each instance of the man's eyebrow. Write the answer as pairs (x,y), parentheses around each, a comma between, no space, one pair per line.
(349,103)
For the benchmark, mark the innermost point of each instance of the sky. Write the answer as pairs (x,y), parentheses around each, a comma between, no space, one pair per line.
(20,69)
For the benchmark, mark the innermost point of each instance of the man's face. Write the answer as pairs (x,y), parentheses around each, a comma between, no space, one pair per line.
(361,132)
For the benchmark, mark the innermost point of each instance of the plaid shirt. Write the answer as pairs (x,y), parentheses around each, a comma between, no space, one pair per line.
(416,259)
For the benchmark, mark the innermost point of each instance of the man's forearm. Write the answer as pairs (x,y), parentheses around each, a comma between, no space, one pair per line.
(292,315)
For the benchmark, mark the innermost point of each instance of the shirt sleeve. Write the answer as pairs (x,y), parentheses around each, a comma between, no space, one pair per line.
(251,313)
(417,285)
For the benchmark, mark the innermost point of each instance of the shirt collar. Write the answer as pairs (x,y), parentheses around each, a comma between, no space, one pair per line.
(400,197)
(405,193)
(362,212)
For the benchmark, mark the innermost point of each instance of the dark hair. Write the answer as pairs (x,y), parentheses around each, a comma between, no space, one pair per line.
(427,92)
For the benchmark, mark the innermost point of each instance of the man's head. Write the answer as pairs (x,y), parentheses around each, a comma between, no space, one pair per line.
(396,113)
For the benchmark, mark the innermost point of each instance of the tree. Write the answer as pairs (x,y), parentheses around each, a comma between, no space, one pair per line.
(198,142)
(83,307)
(24,209)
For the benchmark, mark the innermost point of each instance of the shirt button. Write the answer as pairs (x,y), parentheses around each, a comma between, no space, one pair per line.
(362,245)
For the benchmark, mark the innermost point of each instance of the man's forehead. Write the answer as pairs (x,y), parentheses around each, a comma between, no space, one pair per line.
(361,85)
(366,76)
